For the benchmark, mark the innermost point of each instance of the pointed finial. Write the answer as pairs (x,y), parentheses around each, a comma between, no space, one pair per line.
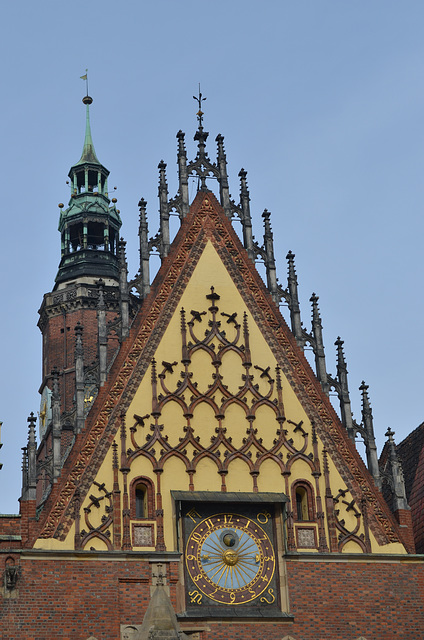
(199,99)
(369,438)
(290,258)
(315,308)
(181,145)
(88,152)
(341,362)
(389,435)
(318,347)
(296,324)
(366,406)
(267,224)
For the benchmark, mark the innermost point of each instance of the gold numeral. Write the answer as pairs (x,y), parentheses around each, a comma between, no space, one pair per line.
(263,517)
(195,597)
(193,514)
(228,519)
(209,523)
(196,536)
(271,595)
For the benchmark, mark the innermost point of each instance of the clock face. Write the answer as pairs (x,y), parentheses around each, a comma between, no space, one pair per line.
(230,558)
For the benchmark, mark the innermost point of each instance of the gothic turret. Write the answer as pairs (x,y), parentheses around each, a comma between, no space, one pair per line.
(86,316)
(89,227)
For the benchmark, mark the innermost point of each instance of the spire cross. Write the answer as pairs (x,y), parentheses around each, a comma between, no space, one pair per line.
(199,100)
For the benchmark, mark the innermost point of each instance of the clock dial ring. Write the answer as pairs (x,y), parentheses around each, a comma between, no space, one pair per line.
(230,559)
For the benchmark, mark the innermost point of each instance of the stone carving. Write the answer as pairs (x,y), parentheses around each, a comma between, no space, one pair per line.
(130,632)
(142,535)
(306,538)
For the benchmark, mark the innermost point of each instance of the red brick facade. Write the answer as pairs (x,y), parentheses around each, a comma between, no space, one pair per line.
(74,596)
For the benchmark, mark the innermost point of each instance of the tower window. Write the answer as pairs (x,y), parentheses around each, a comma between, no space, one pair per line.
(95,235)
(76,237)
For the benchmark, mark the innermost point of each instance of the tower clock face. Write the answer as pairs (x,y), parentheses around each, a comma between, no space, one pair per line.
(230,558)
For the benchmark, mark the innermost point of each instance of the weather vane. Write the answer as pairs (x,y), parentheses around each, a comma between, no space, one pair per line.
(85,77)
(199,100)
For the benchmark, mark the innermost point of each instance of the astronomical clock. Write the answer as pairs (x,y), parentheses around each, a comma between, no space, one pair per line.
(230,558)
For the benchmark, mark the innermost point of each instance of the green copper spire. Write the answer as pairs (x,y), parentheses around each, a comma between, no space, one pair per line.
(90,226)
(88,153)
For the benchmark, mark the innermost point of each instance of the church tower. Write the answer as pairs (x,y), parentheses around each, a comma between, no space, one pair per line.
(86,315)
(193,479)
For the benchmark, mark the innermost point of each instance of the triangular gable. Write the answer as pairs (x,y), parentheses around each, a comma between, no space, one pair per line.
(205,223)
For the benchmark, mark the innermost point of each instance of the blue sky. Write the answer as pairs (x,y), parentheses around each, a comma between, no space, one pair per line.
(322,102)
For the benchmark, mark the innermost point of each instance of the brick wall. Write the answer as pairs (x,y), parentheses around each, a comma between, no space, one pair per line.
(71,599)
(59,348)
(10,524)
(342,601)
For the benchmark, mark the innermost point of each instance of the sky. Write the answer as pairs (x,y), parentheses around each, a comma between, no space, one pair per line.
(321,101)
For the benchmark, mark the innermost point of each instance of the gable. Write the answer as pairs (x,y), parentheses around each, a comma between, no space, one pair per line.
(263,422)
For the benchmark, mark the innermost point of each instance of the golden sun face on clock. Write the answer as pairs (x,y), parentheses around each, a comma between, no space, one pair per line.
(230,559)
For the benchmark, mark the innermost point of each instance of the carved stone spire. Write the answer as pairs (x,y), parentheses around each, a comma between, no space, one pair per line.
(246,219)
(319,345)
(183,175)
(223,176)
(294,306)
(56,426)
(143,233)
(24,472)
(200,137)
(102,333)
(343,391)
(369,439)
(79,378)
(123,290)
(163,211)
(32,464)
(396,475)
(271,272)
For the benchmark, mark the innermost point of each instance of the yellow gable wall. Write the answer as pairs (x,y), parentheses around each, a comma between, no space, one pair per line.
(210,271)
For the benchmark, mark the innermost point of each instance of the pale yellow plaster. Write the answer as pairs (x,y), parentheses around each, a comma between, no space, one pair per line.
(210,271)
